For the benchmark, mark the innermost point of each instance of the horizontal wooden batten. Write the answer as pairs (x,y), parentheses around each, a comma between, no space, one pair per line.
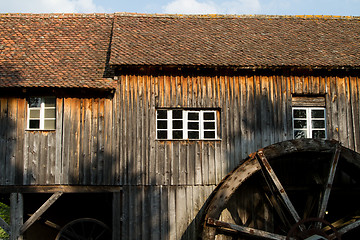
(308,101)
(59,188)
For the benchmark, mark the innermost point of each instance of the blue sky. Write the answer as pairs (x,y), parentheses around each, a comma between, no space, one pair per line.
(268,7)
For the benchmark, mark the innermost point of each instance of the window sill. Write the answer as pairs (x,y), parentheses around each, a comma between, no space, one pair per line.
(188,140)
(40,130)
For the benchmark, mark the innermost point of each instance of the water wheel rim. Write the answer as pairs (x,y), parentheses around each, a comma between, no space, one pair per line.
(250,166)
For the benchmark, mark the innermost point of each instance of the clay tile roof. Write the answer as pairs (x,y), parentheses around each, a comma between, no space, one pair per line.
(54,50)
(227,40)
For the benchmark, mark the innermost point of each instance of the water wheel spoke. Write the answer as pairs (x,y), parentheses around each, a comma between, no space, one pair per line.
(269,171)
(100,234)
(244,230)
(329,183)
(349,227)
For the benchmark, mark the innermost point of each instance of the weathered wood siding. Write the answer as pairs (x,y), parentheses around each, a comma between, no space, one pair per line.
(112,141)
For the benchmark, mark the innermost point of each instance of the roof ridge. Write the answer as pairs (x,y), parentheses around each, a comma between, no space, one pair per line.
(56,15)
(166,15)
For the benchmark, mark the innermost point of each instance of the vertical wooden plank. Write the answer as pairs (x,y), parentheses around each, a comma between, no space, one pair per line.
(50,179)
(138,108)
(354,86)
(59,139)
(152,119)
(131,136)
(116,215)
(101,144)
(334,114)
(288,113)
(198,163)
(3,135)
(21,124)
(86,157)
(11,141)
(182,163)
(181,213)
(164,212)
(94,141)
(172,212)
(265,112)
(125,229)
(34,145)
(160,161)
(155,213)
(42,158)
(237,120)
(349,116)
(75,141)
(175,163)
(66,141)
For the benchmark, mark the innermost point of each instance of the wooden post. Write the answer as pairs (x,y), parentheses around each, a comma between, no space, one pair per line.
(16,215)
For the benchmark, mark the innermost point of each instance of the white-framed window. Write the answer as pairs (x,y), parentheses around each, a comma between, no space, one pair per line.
(309,122)
(41,113)
(184,124)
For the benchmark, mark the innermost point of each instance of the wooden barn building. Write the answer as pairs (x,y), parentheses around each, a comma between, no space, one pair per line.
(123,126)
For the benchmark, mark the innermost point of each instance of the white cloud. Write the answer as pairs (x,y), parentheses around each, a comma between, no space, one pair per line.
(210,7)
(190,7)
(241,7)
(50,6)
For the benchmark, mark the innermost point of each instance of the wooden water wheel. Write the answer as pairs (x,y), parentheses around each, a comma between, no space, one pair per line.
(84,229)
(298,189)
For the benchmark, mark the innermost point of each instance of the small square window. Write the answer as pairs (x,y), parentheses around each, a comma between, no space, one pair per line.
(41,113)
(309,122)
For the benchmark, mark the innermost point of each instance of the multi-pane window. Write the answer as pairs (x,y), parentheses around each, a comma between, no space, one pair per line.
(41,113)
(309,122)
(186,124)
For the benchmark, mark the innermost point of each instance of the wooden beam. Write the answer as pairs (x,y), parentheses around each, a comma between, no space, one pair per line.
(267,167)
(328,186)
(244,230)
(5,226)
(58,188)
(40,211)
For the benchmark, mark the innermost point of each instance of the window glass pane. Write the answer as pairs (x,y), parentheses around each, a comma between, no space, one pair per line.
(34,124)
(193,134)
(161,114)
(177,114)
(177,124)
(299,113)
(318,113)
(209,125)
(34,113)
(299,123)
(193,116)
(318,133)
(162,134)
(193,125)
(209,116)
(34,102)
(49,102)
(177,134)
(299,134)
(161,124)
(50,113)
(49,124)
(318,123)
(209,134)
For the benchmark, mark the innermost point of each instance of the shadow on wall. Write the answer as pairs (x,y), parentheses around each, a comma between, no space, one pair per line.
(261,116)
